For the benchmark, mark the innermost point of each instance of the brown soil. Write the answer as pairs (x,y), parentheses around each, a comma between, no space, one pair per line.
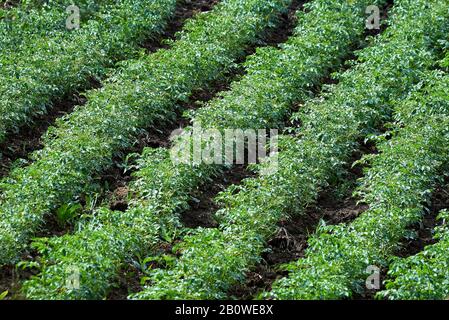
(291,239)
(329,79)
(424,232)
(384,16)
(128,283)
(200,215)
(10,279)
(425,229)
(290,242)
(285,26)
(116,179)
(203,206)
(28,139)
(129,279)
(9,4)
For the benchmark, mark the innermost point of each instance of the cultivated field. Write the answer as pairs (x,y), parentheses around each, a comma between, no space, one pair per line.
(233,149)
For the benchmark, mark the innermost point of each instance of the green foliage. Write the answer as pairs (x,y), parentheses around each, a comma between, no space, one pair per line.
(3,295)
(33,22)
(326,32)
(143,93)
(101,245)
(67,212)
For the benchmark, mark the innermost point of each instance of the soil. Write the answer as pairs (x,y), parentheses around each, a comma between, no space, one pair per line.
(329,80)
(290,242)
(19,145)
(384,17)
(128,282)
(129,279)
(117,179)
(424,234)
(203,206)
(284,28)
(425,229)
(10,279)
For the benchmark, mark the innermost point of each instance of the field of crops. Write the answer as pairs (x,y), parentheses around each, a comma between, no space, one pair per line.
(224,149)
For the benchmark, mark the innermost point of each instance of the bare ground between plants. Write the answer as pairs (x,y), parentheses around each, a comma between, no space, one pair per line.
(200,214)
(9,4)
(28,139)
(290,241)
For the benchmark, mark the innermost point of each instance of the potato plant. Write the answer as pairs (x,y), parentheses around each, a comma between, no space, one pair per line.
(34,21)
(425,275)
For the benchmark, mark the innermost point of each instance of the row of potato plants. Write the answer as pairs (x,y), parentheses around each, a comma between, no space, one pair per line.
(397,185)
(426,274)
(143,93)
(51,67)
(295,67)
(214,259)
